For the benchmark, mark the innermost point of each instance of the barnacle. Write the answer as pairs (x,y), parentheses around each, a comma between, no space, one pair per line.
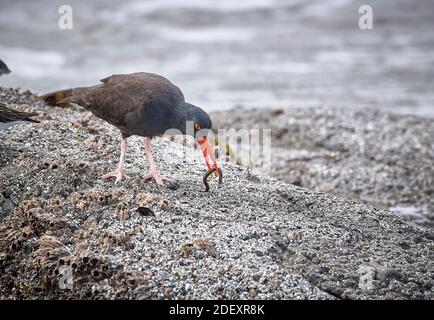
(50,251)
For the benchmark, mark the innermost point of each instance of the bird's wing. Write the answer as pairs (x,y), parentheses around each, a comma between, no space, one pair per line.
(125,94)
(146,79)
(8,115)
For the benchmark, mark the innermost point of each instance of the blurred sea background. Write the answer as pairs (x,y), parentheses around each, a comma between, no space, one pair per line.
(256,53)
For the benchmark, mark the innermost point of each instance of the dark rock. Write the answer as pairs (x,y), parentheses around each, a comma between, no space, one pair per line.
(144,211)
(259,253)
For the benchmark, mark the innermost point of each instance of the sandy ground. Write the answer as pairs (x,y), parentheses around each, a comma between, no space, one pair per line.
(255,237)
(379,158)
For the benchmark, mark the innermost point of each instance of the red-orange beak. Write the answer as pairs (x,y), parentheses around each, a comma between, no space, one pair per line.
(208,153)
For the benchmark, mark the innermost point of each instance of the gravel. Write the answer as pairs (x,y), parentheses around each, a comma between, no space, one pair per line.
(378,158)
(72,235)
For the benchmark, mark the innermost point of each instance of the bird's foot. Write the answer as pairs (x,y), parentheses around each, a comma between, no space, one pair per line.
(119,174)
(158,178)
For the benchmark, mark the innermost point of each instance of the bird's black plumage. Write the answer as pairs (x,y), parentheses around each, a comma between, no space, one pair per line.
(143,104)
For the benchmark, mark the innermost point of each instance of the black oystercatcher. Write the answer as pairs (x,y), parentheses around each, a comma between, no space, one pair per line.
(143,104)
(4,68)
(10,117)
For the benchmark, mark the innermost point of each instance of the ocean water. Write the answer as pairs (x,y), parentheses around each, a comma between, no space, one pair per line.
(261,53)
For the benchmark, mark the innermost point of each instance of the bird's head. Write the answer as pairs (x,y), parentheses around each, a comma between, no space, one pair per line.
(201,126)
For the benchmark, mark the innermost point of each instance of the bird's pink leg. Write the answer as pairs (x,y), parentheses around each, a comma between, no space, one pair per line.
(119,173)
(153,172)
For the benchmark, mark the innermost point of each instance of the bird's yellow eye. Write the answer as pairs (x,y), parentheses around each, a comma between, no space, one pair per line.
(196,126)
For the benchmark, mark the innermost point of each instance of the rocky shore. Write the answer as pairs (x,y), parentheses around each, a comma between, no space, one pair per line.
(64,233)
(378,158)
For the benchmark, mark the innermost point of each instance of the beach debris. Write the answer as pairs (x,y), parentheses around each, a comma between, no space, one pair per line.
(294,235)
(51,249)
(4,68)
(251,177)
(228,152)
(144,211)
(196,245)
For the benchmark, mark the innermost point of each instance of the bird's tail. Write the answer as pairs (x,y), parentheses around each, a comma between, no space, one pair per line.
(61,97)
